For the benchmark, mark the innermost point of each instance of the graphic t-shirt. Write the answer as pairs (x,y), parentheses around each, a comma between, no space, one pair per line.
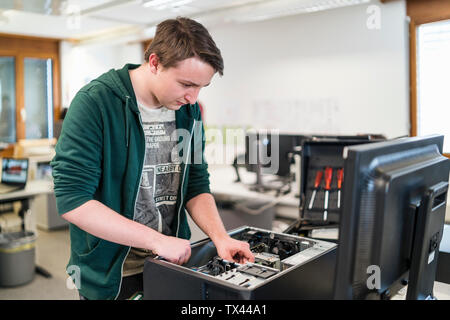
(160,180)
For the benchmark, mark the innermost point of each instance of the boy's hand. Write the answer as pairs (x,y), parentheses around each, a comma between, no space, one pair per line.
(234,250)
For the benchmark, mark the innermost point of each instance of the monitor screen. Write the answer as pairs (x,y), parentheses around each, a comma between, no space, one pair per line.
(14,170)
(394,201)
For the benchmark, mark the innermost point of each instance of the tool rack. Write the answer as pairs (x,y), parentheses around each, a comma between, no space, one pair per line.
(317,155)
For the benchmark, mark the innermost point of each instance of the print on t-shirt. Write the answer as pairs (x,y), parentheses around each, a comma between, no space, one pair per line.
(155,205)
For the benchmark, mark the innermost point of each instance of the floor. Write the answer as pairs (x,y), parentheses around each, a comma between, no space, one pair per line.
(52,253)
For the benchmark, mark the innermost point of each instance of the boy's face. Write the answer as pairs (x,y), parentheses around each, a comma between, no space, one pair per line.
(179,85)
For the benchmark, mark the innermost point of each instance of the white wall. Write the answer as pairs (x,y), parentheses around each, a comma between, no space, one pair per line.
(83,63)
(324,72)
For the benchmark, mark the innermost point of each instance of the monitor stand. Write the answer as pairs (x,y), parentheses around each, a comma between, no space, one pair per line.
(427,237)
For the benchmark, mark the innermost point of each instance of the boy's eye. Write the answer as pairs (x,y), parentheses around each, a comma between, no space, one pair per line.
(186,85)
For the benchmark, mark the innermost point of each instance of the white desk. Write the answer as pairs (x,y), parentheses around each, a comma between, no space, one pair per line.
(224,188)
(33,188)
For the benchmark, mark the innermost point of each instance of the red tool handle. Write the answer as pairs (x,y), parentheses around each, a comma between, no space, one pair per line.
(318,178)
(328,175)
(340,177)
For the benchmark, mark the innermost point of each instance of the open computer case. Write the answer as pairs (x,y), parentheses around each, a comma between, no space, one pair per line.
(285,267)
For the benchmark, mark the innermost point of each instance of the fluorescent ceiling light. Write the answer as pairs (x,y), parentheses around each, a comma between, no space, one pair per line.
(180,3)
(164,4)
(154,3)
(298,8)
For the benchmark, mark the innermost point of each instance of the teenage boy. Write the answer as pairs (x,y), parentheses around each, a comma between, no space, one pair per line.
(129,163)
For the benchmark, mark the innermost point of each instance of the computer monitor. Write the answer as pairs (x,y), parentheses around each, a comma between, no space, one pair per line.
(271,151)
(394,201)
(287,145)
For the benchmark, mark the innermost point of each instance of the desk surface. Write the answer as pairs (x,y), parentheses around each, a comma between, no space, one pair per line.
(33,188)
(224,188)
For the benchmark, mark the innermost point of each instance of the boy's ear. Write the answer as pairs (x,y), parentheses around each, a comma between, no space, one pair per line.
(153,62)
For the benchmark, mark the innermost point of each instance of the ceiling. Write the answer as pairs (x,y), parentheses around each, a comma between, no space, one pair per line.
(90,20)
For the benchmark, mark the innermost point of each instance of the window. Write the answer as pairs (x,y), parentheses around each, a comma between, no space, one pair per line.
(8,100)
(429,30)
(29,87)
(433,79)
(38,98)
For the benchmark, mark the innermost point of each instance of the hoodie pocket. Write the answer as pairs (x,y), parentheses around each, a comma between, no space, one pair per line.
(92,250)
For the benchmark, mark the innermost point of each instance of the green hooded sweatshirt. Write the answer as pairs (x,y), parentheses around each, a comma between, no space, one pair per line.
(100,156)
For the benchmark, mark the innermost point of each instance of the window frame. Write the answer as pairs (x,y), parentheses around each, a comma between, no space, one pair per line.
(21,47)
(421,12)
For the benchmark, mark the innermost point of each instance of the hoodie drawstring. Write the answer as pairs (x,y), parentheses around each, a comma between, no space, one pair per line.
(126,120)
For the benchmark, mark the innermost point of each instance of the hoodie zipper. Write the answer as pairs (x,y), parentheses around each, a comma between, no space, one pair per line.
(184,175)
(135,199)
